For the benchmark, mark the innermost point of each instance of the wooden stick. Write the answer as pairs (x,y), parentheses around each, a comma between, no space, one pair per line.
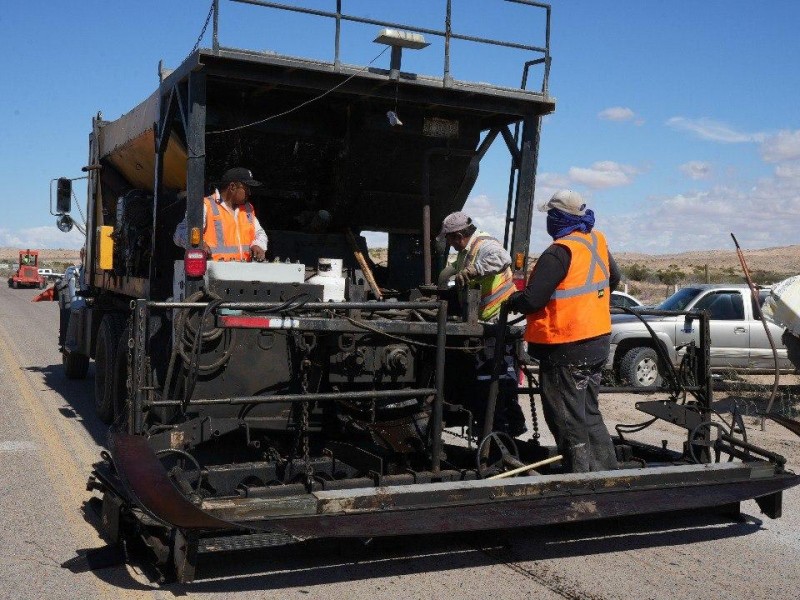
(363,264)
(524,468)
(760,315)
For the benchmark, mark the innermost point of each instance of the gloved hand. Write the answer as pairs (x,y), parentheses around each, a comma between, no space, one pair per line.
(512,301)
(465,275)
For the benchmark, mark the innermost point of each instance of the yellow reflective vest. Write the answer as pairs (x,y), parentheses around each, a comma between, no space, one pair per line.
(495,289)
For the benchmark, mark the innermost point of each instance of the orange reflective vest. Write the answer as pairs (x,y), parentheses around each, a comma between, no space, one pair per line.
(495,289)
(579,308)
(229,234)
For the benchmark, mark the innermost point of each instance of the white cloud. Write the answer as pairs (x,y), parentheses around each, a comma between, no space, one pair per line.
(45,236)
(789,170)
(617,113)
(603,174)
(696,169)
(763,215)
(785,145)
(715,131)
(488,216)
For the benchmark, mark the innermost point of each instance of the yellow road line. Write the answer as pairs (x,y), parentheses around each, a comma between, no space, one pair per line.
(65,474)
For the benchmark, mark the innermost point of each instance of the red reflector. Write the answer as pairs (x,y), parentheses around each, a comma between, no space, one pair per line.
(519,283)
(194,262)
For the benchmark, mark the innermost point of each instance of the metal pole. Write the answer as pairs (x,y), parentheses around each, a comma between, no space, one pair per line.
(215,36)
(438,402)
(336,60)
(497,368)
(320,397)
(447,79)
(426,239)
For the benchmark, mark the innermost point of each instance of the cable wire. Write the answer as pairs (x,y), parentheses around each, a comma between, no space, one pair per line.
(301,105)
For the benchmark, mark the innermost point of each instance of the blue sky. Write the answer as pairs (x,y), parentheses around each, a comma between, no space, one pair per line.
(678,121)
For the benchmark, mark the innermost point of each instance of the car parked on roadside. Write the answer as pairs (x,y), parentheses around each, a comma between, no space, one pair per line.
(623,300)
(738,339)
(49,274)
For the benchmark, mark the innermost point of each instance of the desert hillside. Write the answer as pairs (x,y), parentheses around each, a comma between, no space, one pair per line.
(784,259)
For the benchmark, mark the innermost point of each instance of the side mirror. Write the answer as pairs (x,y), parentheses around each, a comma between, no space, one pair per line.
(64,223)
(63,195)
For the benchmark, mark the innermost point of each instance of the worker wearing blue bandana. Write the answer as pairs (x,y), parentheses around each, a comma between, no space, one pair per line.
(566,302)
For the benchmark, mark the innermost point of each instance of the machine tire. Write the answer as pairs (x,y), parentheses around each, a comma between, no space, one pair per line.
(641,367)
(108,337)
(120,385)
(75,365)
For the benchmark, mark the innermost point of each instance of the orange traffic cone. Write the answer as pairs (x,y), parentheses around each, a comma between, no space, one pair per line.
(48,294)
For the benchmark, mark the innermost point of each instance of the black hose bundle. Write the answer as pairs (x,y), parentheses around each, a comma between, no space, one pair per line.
(190,338)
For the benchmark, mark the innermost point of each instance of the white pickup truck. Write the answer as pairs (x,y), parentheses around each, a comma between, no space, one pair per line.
(738,339)
(49,274)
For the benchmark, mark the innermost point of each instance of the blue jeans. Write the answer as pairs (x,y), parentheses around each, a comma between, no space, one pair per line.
(571,411)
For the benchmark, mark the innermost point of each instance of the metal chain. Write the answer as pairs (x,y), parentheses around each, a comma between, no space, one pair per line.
(304,365)
(462,436)
(205,26)
(129,379)
(534,418)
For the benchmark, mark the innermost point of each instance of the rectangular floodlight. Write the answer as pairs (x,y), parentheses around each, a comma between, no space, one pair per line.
(401,39)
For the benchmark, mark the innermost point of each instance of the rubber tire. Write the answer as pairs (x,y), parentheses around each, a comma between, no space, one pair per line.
(108,336)
(120,385)
(637,367)
(75,365)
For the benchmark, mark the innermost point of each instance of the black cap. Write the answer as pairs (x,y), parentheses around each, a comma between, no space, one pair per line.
(241,175)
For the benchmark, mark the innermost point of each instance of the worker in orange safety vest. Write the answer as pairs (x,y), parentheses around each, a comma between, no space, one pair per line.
(568,330)
(231,230)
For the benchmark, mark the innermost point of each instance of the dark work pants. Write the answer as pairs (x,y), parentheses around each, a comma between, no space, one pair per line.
(571,410)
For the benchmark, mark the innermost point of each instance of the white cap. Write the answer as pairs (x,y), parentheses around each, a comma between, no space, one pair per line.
(454,222)
(566,200)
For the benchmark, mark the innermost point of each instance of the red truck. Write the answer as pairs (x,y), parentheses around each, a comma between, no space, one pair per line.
(27,274)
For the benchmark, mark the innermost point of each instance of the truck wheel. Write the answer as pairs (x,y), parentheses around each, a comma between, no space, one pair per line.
(75,365)
(105,354)
(640,366)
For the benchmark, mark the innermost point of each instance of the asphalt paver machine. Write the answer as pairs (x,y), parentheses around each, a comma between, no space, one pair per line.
(321,394)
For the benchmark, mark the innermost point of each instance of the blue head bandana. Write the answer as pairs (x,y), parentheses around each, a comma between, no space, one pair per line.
(560,223)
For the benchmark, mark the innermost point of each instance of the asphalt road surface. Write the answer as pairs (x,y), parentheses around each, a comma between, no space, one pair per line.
(49,438)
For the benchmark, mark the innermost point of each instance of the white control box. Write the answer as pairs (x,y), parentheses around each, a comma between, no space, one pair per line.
(265,272)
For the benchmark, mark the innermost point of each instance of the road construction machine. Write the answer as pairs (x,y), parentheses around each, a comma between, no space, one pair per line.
(27,273)
(324,393)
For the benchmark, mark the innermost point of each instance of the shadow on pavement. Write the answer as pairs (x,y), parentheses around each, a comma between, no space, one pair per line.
(332,561)
(78,395)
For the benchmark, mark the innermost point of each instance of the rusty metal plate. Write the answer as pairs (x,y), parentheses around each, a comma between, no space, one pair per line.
(146,479)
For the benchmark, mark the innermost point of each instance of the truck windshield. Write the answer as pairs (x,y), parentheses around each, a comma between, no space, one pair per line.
(680,299)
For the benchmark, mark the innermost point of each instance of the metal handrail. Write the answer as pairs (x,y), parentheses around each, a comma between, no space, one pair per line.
(448,34)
